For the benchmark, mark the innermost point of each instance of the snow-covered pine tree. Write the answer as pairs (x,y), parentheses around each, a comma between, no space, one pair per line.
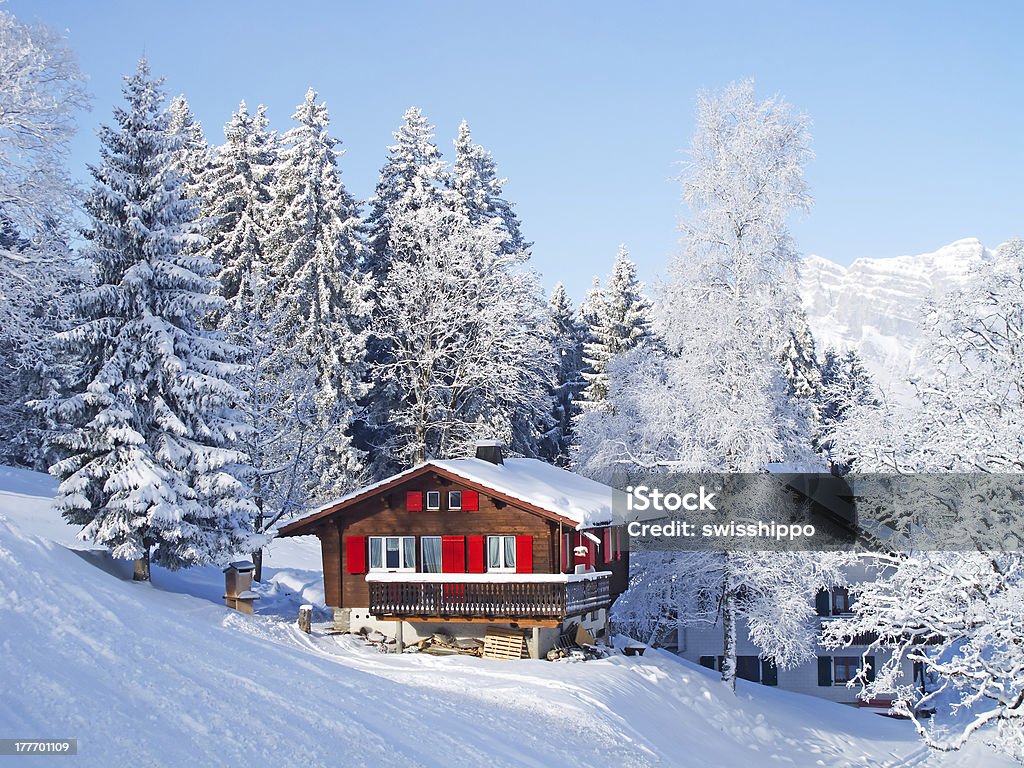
(414,176)
(845,384)
(151,464)
(618,319)
(237,217)
(34,307)
(320,295)
(568,335)
(237,201)
(717,399)
(800,363)
(475,181)
(193,160)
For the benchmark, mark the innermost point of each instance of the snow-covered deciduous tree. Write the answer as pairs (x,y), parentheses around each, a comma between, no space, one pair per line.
(41,89)
(151,463)
(459,346)
(618,319)
(568,335)
(320,299)
(961,615)
(957,612)
(465,328)
(714,395)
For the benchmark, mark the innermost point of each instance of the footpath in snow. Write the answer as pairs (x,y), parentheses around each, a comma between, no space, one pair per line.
(165,675)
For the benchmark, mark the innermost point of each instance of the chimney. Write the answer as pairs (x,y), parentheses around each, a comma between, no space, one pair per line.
(490,450)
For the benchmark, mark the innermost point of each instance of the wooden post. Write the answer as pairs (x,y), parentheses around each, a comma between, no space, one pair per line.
(306,618)
(399,639)
(535,645)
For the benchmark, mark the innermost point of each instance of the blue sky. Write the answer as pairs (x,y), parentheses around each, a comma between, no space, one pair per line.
(916,108)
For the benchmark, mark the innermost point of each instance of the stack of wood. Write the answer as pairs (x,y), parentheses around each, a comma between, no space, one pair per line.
(576,644)
(443,644)
(505,644)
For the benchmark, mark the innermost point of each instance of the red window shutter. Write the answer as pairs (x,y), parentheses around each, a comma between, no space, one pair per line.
(453,554)
(414,501)
(591,553)
(566,552)
(606,547)
(470,501)
(524,554)
(618,543)
(355,554)
(475,547)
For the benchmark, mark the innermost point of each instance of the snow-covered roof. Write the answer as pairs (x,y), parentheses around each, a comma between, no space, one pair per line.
(559,491)
(240,565)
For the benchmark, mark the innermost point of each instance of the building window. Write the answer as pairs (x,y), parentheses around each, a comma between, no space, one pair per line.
(433,500)
(454,499)
(430,554)
(748,668)
(846,669)
(501,553)
(392,553)
(840,601)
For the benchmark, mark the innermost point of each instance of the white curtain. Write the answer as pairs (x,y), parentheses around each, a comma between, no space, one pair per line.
(431,554)
(510,551)
(494,551)
(376,553)
(409,547)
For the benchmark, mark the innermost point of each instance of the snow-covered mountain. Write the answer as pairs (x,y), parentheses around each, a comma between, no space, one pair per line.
(873,305)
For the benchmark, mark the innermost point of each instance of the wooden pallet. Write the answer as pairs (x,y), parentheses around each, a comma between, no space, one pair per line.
(505,644)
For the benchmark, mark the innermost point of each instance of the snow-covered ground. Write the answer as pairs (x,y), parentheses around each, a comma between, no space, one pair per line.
(165,675)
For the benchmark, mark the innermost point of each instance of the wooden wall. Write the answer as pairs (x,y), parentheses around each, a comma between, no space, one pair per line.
(385,515)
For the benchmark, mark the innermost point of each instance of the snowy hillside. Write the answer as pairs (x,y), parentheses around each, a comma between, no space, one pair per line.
(873,304)
(163,674)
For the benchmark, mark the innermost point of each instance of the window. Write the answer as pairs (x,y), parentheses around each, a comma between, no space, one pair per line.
(847,667)
(454,499)
(748,668)
(501,553)
(433,500)
(430,554)
(392,553)
(840,601)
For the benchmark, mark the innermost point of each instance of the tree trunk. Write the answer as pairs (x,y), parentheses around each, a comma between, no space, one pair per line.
(729,633)
(306,618)
(142,565)
(257,556)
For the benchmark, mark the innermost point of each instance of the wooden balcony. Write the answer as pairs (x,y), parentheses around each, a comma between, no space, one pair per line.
(544,598)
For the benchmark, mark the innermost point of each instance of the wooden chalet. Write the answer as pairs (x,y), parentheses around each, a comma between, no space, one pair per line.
(465,544)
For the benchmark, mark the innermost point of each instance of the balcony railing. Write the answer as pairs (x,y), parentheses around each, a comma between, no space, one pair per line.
(487,596)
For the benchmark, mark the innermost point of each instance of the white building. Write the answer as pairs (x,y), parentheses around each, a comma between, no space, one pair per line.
(826,676)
